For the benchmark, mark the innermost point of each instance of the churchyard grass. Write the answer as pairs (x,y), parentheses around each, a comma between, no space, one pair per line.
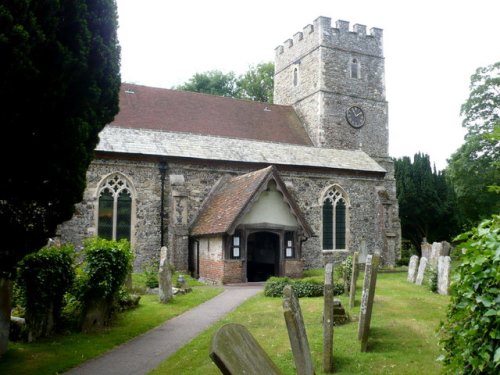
(402,337)
(58,354)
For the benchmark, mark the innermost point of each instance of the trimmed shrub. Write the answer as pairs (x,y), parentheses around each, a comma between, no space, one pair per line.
(307,287)
(43,279)
(105,269)
(471,335)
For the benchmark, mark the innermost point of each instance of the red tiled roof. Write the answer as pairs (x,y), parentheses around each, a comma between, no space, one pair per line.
(234,197)
(143,107)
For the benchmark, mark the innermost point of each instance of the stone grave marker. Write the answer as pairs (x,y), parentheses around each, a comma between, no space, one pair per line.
(235,351)
(165,277)
(354,278)
(412,269)
(297,332)
(426,249)
(328,320)
(365,311)
(444,265)
(421,271)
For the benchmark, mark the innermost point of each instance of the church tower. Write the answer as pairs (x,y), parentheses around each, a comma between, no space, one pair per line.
(334,78)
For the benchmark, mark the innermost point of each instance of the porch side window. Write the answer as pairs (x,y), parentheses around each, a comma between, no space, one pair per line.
(334,221)
(235,246)
(114,209)
(289,245)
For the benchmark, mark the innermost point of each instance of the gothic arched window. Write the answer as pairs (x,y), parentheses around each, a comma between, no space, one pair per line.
(114,218)
(334,220)
(354,68)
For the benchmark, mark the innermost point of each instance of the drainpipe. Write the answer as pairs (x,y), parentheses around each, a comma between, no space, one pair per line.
(163,172)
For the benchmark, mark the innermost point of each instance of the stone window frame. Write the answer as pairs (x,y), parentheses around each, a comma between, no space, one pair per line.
(338,193)
(354,68)
(127,185)
(295,75)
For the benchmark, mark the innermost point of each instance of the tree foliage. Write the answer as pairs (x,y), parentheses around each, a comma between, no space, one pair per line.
(59,79)
(470,336)
(474,168)
(426,201)
(256,84)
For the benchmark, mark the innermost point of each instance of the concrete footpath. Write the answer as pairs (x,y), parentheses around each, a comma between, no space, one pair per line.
(144,353)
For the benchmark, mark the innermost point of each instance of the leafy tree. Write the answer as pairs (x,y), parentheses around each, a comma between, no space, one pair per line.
(213,82)
(426,201)
(474,167)
(258,83)
(59,74)
(470,336)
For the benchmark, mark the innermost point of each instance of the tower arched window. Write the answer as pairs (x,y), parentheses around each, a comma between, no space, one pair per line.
(334,220)
(295,76)
(114,217)
(354,68)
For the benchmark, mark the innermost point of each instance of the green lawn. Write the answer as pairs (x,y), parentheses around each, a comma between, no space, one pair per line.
(60,353)
(402,335)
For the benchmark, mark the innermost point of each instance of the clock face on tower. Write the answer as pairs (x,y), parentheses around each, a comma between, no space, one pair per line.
(355,117)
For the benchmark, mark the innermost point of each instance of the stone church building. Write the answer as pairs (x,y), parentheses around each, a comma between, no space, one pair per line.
(240,190)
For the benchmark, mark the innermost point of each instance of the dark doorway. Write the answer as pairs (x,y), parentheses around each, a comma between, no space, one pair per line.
(263,256)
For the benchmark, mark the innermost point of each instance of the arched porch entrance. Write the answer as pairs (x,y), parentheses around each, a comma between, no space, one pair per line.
(263,256)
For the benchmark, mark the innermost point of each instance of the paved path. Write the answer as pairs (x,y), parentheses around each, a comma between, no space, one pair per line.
(144,353)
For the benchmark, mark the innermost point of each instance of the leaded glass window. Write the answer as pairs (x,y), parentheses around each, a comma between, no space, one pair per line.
(115,209)
(334,220)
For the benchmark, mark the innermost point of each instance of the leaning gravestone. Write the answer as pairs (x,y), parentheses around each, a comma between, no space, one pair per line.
(426,249)
(365,311)
(235,351)
(328,320)
(421,271)
(412,269)
(297,332)
(354,278)
(444,264)
(165,277)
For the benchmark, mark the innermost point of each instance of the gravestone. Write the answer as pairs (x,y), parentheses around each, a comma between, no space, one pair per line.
(165,277)
(412,269)
(421,271)
(426,249)
(339,315)
(444,265)
(439,249)
(328,320)
(235,351)
(365,311)
(297,332)
(354,278)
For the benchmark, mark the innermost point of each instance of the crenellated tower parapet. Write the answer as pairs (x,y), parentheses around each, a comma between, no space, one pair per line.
(321,33)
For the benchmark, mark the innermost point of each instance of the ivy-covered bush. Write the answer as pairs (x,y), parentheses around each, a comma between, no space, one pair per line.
(105,269)
(432,275)
(470,336)
(43,279)
(307,287)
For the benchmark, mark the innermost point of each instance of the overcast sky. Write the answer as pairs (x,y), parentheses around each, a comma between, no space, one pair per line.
(431,49)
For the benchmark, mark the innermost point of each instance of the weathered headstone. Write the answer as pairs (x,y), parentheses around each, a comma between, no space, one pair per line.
(444,265)
(412,269)
(235,351)
(339,315)
(354,278)
(365,311)
(165,277)
(328,320)
(426,249)
(421,271)
(297,332)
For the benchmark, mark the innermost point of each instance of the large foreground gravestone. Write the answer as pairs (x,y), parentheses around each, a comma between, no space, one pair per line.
(444,265)
(412,269)
(165,277)
(235,351)
(297,332)
(354,278)
(328,320)
(421,271)
(365,311)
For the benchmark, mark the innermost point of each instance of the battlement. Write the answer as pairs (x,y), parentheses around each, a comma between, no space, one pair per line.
(321,33)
